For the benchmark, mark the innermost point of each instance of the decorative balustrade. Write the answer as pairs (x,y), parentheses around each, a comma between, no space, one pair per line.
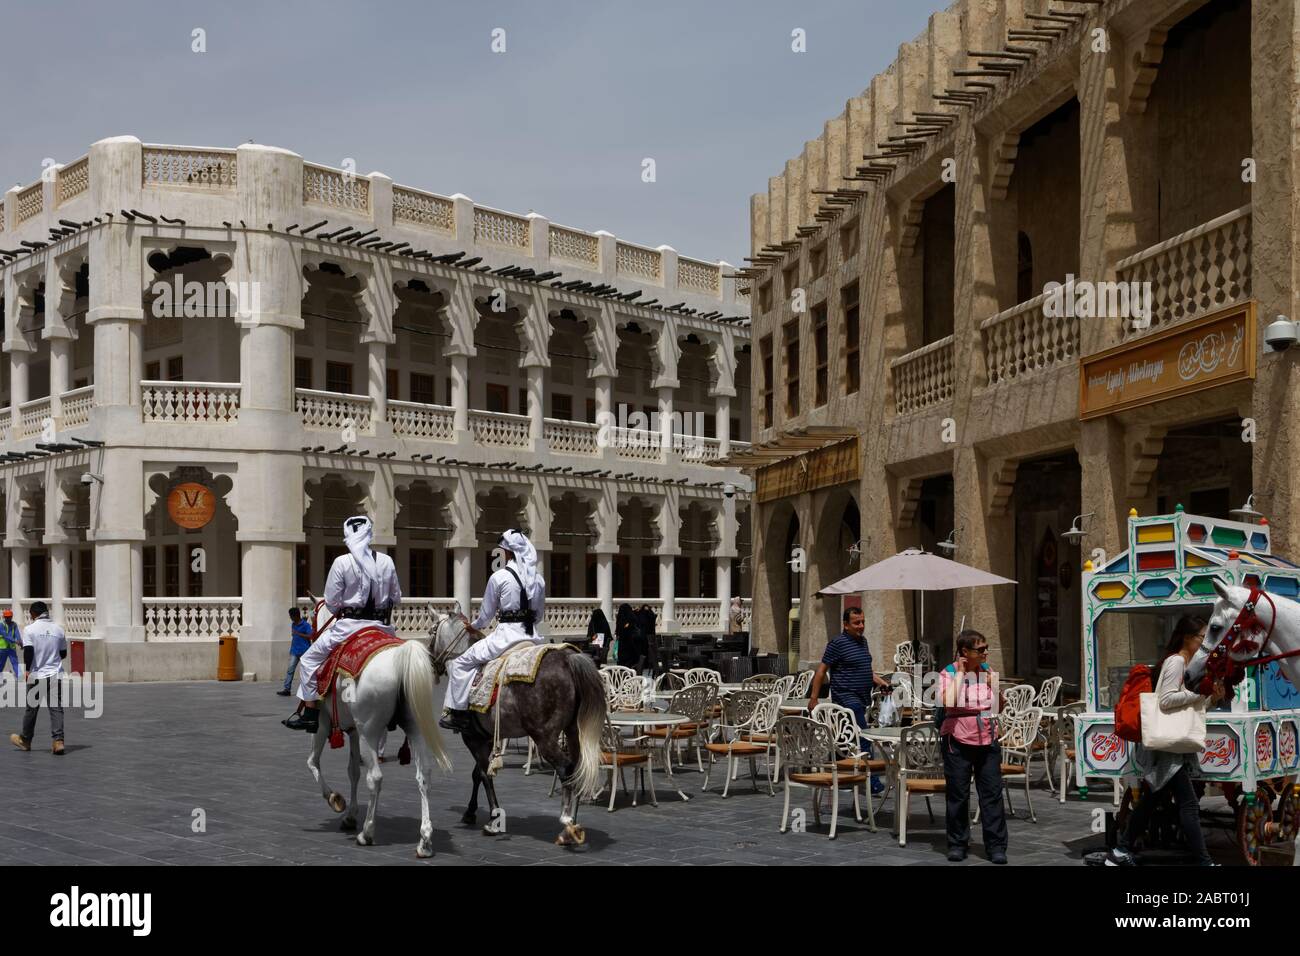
(32,417)
(334,411)
(414,616)
(31,202)
(502,229)
(424,209)
(696,447)
(574,246)
(76,405)
(746,613)
(499,429)
(698,614)
(572,438)
(215,169)
(6,419)
(78,617)
(639,262)
(74,179)
(414,420)
(191,619)
(568,616)
(1024,339)
(700,276)
(190,402)
(333,187)
(1201,270)
(924,377)
(637,444)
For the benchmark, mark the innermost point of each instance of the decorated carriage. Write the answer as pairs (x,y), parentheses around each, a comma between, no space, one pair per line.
(1168,568)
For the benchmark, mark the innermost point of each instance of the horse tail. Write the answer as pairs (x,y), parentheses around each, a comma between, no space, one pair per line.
(590,693)
(417,687)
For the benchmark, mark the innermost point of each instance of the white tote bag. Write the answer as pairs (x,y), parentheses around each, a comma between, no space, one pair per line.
(1182,732)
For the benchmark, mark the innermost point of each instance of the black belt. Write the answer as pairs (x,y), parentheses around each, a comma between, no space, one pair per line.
(363,614)
(518,617)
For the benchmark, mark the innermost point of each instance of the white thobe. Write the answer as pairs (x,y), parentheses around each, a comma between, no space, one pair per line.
(348,586)
(502,593)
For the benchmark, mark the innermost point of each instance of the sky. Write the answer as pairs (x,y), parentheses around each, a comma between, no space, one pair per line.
(559,123)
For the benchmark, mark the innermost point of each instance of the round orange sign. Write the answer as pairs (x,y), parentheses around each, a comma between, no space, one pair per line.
(191,505)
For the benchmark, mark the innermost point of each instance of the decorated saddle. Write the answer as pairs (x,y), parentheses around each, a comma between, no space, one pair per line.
(351,657)
(518,665)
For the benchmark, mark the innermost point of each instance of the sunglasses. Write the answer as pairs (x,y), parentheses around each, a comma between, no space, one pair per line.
(980,650)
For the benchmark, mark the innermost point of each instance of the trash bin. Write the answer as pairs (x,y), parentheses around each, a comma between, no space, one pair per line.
(77,664)
(228,658)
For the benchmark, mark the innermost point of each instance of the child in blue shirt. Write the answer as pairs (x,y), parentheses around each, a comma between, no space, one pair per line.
(301,641)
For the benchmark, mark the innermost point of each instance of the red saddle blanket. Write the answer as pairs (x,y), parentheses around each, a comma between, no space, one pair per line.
(352,656)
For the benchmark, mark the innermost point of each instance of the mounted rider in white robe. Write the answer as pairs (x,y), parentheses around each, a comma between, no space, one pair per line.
(516,597)
(361,591)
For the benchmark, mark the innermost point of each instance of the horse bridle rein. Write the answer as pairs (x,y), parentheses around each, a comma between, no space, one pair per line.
(1241,639)
(454,647)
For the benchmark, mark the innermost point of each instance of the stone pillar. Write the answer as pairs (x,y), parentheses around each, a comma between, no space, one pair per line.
(460,393)
(60,368)
(605,584)
(666,423)
(667,583)
(723,424)
(377,378)
(266,501)
(60,579)
(117,529)
(603,385)
(724,593)
(19,365)
(20,564)
(463,559)
(537,405)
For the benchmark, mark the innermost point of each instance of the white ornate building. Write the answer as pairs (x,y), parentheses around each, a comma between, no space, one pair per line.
(306,344)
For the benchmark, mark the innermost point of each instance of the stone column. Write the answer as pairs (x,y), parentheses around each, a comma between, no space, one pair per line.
(460,393)
(605,583)
(266,502)
(20,565)
(667,584)
(723,424)
(60,579)
(377,378)
(666,424)
(723,573)
(463,559)
(537,404)
(669,524)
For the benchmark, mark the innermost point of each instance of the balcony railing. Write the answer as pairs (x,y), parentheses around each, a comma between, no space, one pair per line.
(572,438)
(698,614)
(414,616)
(1024,339)
(414,420)
(1203,269)
(499,429)
(191,619)
(32,417)
(189,402)
(334,411)
(6,419)
(924,377)
(76,405)
(568,616)
(215,169)
(746,613)
(697,447)
(637,444)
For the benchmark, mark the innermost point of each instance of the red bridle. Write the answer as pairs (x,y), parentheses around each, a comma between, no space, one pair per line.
(1243,638)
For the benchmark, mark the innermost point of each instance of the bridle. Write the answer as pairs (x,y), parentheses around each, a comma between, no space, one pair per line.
(455,647)
(1243,639)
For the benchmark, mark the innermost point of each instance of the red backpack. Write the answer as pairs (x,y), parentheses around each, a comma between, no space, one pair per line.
(1128,711)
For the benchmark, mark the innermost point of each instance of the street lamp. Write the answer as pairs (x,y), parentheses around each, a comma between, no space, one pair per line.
(1076,534)
(1247,512)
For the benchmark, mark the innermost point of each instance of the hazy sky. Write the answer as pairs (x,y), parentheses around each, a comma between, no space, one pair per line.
(559,123)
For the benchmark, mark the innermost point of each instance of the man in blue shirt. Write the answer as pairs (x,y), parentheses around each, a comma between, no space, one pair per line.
(10,640)
(301,641)
(848,658)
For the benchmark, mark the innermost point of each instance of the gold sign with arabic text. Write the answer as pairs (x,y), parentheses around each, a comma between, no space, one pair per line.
(822,468)
(1215,350)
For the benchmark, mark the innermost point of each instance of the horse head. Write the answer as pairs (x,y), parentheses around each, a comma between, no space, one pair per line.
(449,637)
(1239,626)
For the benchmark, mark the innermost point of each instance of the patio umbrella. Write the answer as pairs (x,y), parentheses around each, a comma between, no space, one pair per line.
(915,570)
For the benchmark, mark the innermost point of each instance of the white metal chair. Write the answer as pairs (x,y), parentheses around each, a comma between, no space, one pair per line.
(920,770)
(850,756)
(1063,743)
(905,657)
(808,759)
(696,704)
(618,752)
(1048,693)
(1019,732)
(1018,698)
(759,681)
(744,712)
(613,676)
(785,686)
(668,681)
(802,685)
(702,675)
(629,695)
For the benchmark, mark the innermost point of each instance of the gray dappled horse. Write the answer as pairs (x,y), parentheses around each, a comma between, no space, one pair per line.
(566,698)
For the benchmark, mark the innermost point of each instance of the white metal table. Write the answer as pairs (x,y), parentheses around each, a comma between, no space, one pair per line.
(652,718)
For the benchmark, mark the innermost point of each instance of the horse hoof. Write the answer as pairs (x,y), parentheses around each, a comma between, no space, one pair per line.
(348,825)
(579,835)
(468,817)
(363,839)
(336,802)
(424,851)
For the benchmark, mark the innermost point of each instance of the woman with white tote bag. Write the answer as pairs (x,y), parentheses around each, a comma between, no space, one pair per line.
(1173,733)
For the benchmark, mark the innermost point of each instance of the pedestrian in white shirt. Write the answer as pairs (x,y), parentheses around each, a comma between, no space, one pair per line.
(516,597)
(44,648)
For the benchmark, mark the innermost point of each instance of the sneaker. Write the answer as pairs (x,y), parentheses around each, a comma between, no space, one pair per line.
(57,749)
(956,854)
(282,693)
(20,742)
(1118,857)
(877,786)
(998,856)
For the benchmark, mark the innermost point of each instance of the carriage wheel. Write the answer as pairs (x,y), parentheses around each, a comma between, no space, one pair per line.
(1287,818)
(1252,820)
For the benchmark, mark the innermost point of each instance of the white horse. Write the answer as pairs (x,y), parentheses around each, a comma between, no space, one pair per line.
(1240,631)
(365,708)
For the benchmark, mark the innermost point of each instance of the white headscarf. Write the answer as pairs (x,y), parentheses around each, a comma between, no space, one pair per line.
(526,561)
(358,541)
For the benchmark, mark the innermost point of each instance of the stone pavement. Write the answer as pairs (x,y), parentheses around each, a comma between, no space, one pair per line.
(129,786)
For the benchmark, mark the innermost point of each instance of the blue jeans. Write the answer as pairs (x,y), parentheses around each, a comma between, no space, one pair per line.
(10,654)
(293,666)
(858,705)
